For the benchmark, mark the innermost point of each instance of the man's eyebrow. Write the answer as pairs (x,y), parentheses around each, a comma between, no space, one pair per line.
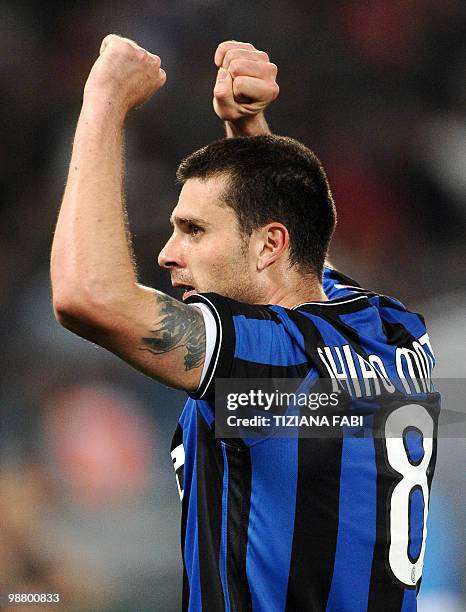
(176,220)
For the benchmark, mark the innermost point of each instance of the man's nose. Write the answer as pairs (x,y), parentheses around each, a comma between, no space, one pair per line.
(170,256)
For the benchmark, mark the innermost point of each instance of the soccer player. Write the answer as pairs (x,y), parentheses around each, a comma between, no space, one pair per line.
(274,522)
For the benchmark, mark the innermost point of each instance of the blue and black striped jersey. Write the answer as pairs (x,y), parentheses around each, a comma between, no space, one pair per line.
(289,524)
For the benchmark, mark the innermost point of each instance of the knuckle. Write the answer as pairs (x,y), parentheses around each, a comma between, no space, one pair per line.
(264,56)
(274,90)
(238,82)
(220,93)
(125,48)
(133,48)
(109,42)
(246,47)
(112,49)
(235,67)
(273,68)
(229,55)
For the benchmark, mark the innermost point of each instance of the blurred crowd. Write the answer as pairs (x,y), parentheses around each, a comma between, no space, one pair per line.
(88,501)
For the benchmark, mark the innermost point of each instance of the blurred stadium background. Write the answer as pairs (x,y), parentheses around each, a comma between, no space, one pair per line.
(88,502)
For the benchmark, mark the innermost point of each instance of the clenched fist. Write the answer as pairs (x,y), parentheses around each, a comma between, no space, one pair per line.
(125,74)
(246,81)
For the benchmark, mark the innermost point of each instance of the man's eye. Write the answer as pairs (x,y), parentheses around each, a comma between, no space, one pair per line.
(194,230)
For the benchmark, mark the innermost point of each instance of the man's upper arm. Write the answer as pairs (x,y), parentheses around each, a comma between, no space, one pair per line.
(153,332)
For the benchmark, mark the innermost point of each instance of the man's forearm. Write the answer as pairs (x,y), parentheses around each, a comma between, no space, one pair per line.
(91,255)
(247,126)
(95,290)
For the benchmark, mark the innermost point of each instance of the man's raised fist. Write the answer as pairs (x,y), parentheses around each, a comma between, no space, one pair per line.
(246,81)
(124,74)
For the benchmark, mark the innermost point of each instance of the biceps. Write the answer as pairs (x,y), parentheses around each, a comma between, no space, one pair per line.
(161,337)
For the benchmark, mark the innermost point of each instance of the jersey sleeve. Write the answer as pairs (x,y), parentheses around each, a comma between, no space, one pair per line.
(247,341)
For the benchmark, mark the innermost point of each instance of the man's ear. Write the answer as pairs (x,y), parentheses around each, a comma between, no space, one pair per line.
(273,243)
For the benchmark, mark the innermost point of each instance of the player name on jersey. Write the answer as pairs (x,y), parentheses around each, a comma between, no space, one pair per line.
(413,367)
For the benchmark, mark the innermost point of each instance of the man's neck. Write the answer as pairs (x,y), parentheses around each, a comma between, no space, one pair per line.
(303,289)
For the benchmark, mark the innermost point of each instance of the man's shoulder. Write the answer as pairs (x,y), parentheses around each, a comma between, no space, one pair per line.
(338,286)
(228,306)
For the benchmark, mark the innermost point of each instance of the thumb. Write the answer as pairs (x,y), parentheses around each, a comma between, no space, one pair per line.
(223,89)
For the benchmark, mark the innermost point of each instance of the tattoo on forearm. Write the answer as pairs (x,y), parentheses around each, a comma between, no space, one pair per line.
(180,326)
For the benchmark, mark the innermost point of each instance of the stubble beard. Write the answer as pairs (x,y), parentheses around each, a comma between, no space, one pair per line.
(234,280)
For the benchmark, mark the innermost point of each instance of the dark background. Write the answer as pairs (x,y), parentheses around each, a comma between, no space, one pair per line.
(88,501)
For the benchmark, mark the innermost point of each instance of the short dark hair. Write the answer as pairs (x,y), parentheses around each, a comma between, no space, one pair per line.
(272,178)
